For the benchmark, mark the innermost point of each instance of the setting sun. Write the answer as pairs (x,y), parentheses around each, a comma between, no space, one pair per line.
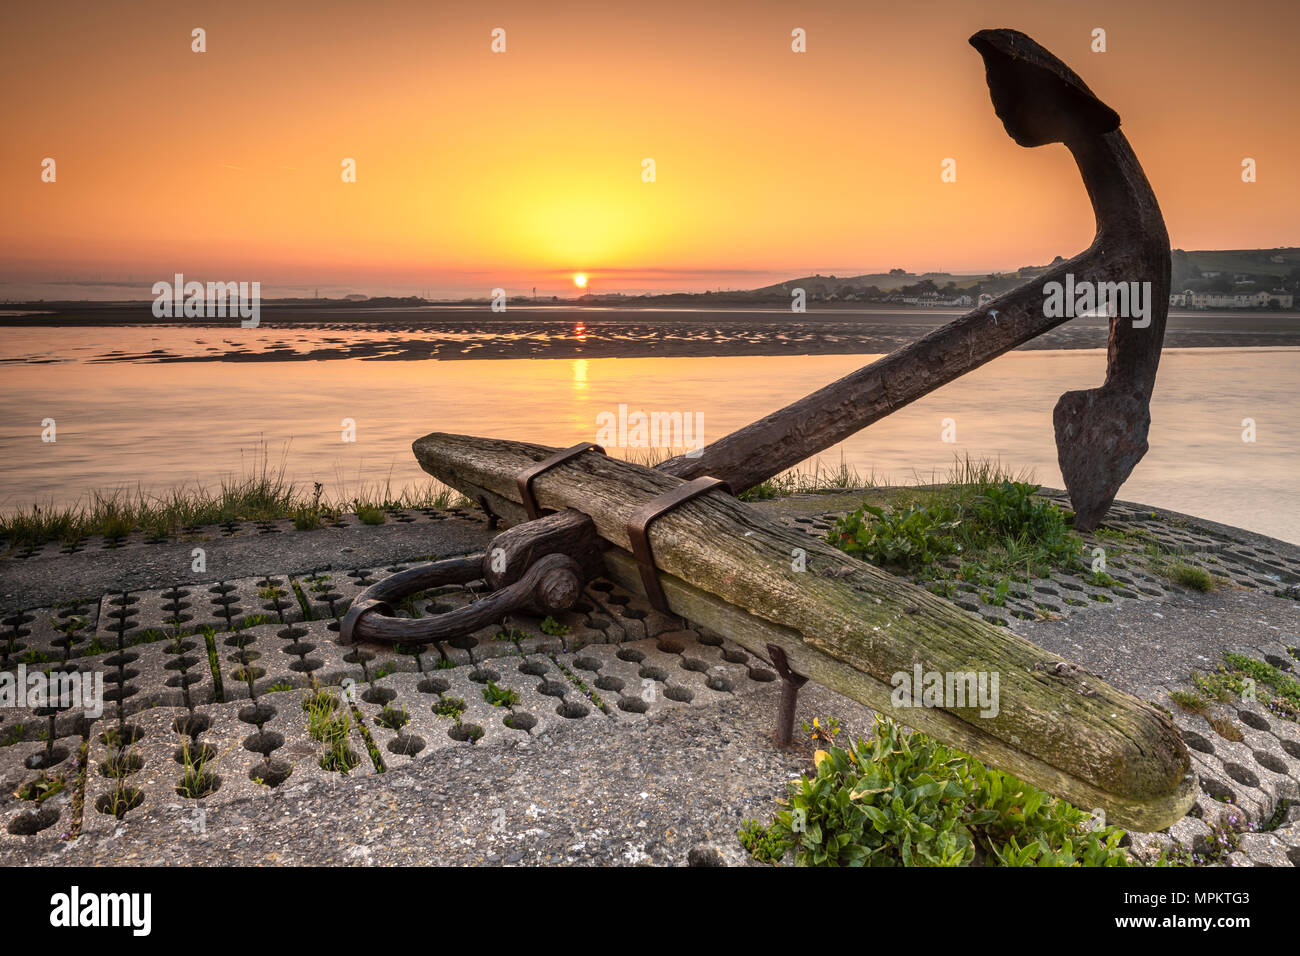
(580,281)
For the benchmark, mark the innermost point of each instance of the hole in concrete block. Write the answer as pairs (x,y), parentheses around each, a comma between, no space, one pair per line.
(198,786)
(191,725)
(272,773)
(264,742)
(121,736)
(121,764)
(256,713)
(465,732)
(197,754)
(33,821)
(520,721)
(1240,774)
(1217,790)
(45,759)
(1270,762)
(1251,719)
(378,695)
(406,745)
(120,801)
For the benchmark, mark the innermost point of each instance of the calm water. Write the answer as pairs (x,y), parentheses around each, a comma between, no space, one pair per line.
(167,424)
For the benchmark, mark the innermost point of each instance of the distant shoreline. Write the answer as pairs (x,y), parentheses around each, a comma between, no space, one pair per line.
(300,334)
(328,313)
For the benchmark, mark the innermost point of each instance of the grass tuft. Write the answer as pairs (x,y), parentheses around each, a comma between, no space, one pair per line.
(262,491)
(1192,578)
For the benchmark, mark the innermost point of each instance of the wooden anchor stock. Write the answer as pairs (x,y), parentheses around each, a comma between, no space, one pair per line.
(843,623)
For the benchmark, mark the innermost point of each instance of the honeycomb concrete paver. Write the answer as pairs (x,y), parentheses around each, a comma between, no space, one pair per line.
(205,683)
(216,674)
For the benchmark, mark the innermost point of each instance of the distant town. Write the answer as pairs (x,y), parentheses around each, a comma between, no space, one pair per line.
(1252,279)
(1256,280)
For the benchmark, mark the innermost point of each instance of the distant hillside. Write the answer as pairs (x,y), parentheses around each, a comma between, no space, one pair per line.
(1278,268)
(1223,270)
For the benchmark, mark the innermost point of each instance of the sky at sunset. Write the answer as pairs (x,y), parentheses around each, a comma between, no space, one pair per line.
(478,170)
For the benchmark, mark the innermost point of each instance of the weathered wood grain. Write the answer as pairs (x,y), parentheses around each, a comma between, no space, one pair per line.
(851,627)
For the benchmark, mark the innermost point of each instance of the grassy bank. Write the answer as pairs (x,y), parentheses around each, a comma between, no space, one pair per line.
(264,493)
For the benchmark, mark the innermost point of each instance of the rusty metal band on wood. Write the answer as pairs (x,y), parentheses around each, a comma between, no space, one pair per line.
(525,478)
(638,531)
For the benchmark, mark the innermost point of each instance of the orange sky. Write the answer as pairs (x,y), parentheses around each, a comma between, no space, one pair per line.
(477,170)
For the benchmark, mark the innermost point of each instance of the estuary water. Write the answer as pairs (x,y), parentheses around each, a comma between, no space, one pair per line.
(158,425)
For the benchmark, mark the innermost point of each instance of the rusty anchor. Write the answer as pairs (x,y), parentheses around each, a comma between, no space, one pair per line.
(544,560)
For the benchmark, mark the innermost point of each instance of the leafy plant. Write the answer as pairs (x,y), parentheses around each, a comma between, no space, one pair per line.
(762,843)
(1017,824)
(1102,580)
(997,526)
(451,707)
(892,801)
(41,788)
(553,627)
(903,799)
(1242,676)
(909,538)
(1000,591)
(1009,509)
(499,696)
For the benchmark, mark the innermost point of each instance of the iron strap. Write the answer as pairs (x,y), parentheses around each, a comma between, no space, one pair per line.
(638,531)
(524,480)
